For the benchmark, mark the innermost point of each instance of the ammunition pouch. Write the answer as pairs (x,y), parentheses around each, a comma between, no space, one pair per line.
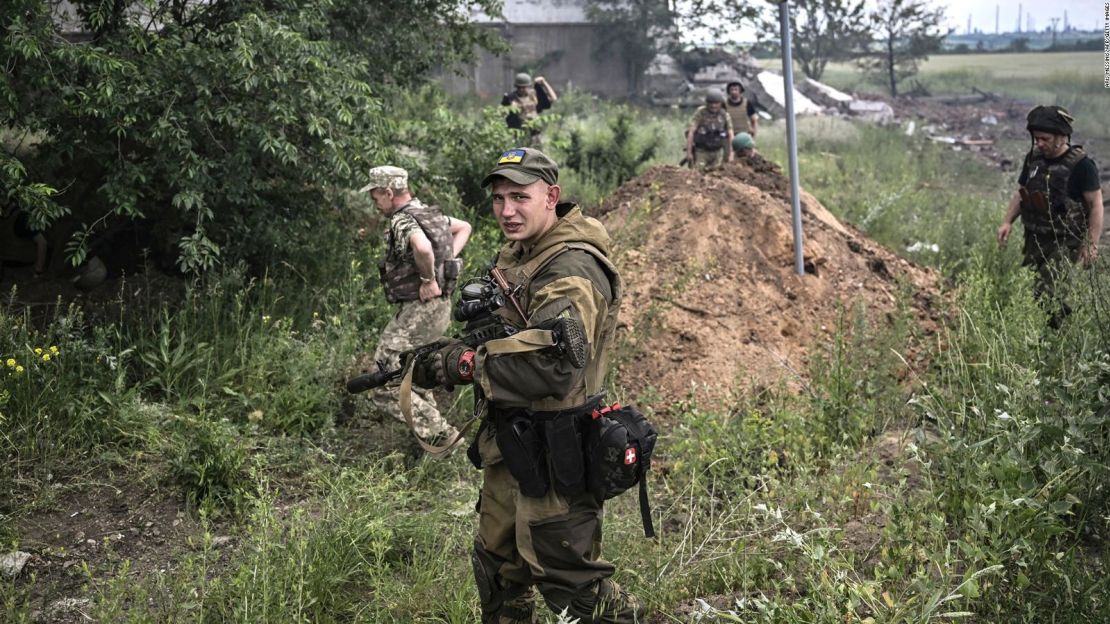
(523,451)
(547,449)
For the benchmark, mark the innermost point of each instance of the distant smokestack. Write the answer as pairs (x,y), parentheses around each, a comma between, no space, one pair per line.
(1019,19)
(969,23)
(1065,20)
(996,31)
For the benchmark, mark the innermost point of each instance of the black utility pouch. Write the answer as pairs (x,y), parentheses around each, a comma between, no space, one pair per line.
(564,443)
(522,450)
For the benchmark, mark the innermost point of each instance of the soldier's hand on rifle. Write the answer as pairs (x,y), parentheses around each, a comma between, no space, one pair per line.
(450,366)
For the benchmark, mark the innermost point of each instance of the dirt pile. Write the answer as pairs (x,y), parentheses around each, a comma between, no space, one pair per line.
(711,294)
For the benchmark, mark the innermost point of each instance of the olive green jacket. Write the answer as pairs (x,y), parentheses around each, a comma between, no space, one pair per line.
(565,273)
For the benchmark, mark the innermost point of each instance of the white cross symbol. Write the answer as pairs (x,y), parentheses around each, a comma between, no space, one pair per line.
(629,456)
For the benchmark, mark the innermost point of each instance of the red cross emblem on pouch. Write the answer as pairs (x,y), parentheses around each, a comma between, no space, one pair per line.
(629,456)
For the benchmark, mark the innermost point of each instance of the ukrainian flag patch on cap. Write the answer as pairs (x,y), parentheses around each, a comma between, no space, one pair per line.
(511,156)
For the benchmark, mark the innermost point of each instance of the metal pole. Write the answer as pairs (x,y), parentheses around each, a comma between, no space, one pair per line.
(791,136)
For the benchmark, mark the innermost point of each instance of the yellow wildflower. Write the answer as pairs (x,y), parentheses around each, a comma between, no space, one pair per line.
(18,369)
(45,357)
(38,351)
(11,362)
(53,349)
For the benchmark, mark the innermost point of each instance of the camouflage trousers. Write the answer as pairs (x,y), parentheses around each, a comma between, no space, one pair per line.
(552,543)
(415,323)
(1052,257)
(708,159)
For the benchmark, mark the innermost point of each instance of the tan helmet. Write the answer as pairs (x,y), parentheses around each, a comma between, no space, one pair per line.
(522,80)
(714,95)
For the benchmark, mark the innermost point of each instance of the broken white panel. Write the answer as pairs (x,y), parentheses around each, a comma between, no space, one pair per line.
(832,93)
(872,110)
(772,85)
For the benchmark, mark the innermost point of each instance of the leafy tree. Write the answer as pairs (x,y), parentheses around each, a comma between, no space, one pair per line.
(820,31)
(907,32)
(227,128)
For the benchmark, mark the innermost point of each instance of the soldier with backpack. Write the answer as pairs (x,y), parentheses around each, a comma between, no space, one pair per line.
(709,135)
(418,272)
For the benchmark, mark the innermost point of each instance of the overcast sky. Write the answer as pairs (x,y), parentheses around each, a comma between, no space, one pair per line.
(1082,14)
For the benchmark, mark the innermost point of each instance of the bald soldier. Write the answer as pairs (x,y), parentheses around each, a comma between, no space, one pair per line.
(418,273)
(1059,200)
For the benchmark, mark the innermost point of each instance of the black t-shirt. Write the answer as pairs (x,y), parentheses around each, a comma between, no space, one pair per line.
(542,103)
(1083,179)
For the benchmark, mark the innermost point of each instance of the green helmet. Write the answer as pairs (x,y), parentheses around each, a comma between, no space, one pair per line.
(714,95)
(743,141)
(522,80)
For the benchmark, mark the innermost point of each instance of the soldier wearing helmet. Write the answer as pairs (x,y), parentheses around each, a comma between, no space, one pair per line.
(709,136)
(418,273)
(741,109)
(526,101)
(1059,200)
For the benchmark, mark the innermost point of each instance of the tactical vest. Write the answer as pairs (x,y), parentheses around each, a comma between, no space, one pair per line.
(1046,207)
(526,105)
(739,114)
(711,132)
(400,276)
(522,274)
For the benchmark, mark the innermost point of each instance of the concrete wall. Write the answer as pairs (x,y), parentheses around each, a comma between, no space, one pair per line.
(562,53)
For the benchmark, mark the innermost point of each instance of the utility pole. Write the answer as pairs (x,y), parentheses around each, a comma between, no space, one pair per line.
(791,133)
(1054,20)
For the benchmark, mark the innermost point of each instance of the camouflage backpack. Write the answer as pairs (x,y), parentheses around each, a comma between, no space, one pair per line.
(711,132)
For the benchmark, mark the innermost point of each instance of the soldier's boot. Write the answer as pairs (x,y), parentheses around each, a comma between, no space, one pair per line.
(602,603)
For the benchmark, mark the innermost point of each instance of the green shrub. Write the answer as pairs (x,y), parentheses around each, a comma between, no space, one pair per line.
(209,462)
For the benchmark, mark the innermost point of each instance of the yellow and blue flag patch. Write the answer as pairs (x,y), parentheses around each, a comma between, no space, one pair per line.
(511,156)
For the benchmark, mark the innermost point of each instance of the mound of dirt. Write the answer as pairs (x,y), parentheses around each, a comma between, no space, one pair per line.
(712,297)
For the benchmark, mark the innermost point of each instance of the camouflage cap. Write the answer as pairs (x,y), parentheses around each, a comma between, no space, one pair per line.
(387,176)
(524,165)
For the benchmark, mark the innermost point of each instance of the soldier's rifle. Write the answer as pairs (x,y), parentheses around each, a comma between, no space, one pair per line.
(479,299)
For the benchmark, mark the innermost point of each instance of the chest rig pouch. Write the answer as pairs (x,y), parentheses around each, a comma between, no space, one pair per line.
(712,131)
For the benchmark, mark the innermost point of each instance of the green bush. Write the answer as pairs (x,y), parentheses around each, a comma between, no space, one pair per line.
(209,462)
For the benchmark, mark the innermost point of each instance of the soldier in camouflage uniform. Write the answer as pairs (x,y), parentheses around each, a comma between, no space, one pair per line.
(418,273)
(709,136)
(526,101)
(1059,200)
(530,534)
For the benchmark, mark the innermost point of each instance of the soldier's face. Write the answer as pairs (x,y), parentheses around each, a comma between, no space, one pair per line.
(734,92)
(383,197)
(1051,145)
(524,212)
(713,106)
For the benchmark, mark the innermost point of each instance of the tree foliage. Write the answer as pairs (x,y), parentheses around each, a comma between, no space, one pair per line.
(226,128)
(906,33)
(820,31)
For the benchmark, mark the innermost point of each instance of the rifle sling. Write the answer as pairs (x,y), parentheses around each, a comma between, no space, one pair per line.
(521,342)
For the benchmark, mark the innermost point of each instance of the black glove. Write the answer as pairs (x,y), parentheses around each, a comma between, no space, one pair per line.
(450,366)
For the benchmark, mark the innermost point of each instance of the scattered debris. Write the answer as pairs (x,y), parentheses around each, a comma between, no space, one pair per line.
(11,564)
